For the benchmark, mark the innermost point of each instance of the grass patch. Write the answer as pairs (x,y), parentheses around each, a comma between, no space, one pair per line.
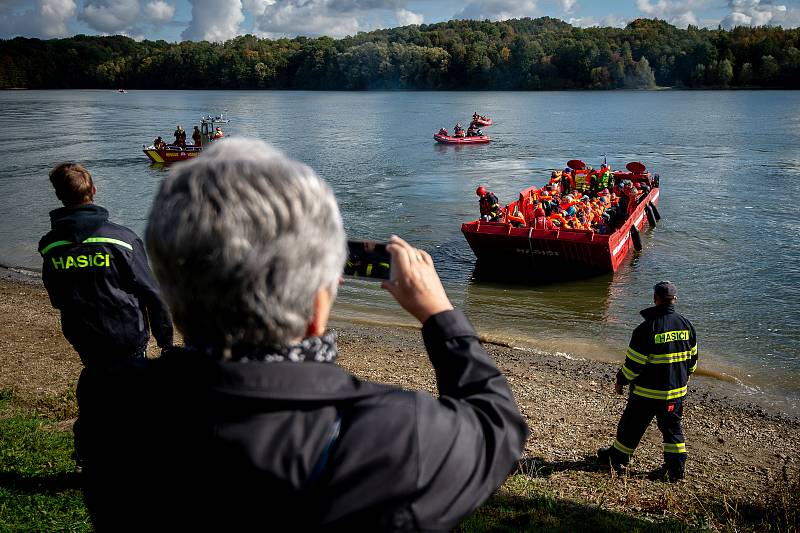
(39,489)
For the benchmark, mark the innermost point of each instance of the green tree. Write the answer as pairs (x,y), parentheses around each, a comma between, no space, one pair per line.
(769,69)
(640,76)
(746,74)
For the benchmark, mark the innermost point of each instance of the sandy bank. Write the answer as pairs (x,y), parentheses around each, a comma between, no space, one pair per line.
(735,447)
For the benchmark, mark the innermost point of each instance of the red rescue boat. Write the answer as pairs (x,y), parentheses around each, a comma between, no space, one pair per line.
(501,247)
(447,139)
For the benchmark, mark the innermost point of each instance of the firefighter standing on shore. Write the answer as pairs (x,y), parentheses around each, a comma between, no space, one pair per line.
(490,209)
(661,357)
(96,274)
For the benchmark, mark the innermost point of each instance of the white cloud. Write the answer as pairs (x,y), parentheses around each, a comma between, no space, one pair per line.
(756,13)
(46,18)
(613,21)
(568,6)
(110,16)
(678,13)
(406,17)
(335,18)
(214,20)
(497,9)
(159,11)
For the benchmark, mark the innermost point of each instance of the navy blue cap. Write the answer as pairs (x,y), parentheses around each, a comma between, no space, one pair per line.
(665,289)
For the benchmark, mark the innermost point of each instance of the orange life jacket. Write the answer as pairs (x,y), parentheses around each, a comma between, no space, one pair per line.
(516,217)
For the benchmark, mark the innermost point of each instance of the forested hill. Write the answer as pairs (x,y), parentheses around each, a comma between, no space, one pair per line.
(527,54)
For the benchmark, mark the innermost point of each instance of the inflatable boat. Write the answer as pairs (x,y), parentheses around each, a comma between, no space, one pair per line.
(447,139)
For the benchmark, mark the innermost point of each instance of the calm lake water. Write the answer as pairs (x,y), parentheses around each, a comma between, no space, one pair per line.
(729,162)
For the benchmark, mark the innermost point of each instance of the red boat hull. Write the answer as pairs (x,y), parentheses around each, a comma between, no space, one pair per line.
(555,251)
(171,154)
(446,139)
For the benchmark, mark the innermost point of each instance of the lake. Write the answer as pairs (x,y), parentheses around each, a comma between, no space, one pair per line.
(729,163)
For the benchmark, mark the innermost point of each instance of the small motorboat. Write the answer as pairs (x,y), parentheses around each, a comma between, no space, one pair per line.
(475,139)
(169,153)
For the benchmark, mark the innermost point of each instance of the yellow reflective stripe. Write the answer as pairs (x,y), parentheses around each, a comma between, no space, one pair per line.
(679,447)
(53,245)
(628,373)
(675,357)
(90,240)
(694,367)
(659,394)
(636,356)
(369,270)
(624,449)
(107,240)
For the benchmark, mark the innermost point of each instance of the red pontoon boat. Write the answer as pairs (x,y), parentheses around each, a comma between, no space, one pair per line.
(447,139)
(563,251)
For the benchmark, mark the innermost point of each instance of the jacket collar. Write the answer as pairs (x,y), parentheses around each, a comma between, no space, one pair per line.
(278,380)
(657,311)
(77,222)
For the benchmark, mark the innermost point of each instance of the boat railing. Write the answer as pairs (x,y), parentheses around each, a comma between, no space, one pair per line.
(176,148)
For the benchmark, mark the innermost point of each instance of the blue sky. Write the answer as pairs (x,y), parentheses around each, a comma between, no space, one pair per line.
(218,20)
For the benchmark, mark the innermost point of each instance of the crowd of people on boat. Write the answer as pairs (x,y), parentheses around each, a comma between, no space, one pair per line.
(578,199)
(473,130)
(180,138)
(458,131)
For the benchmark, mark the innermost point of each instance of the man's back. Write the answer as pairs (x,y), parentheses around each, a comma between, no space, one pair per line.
(96,274)
(272,445)
(666,344)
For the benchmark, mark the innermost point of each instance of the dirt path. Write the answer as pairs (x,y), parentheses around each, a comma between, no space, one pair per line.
(735,449)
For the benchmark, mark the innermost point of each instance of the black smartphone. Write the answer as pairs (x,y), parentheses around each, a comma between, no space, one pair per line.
(367,259)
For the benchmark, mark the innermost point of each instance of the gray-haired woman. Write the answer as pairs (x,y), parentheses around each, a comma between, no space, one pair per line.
(252,425)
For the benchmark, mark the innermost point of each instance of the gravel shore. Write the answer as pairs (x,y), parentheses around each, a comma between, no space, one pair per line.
(737,450)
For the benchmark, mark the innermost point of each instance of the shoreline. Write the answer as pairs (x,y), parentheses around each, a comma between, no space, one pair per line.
(727,385)
(737,449)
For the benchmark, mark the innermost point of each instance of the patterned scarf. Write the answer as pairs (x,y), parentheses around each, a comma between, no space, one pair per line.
(314,349)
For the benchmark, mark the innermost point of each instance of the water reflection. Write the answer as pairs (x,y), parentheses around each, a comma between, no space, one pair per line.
(553,316)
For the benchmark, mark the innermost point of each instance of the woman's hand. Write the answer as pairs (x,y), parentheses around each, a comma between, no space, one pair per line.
(414,282)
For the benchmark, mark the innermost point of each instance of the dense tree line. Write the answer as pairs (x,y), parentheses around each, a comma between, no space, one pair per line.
(528,54)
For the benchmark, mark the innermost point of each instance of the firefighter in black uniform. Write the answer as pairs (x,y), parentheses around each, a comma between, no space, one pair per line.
(96,274)
(661,357)
(490,209)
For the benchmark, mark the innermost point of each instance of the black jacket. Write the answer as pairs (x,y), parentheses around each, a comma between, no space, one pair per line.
(284,446)
(661,356)
(97,275)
